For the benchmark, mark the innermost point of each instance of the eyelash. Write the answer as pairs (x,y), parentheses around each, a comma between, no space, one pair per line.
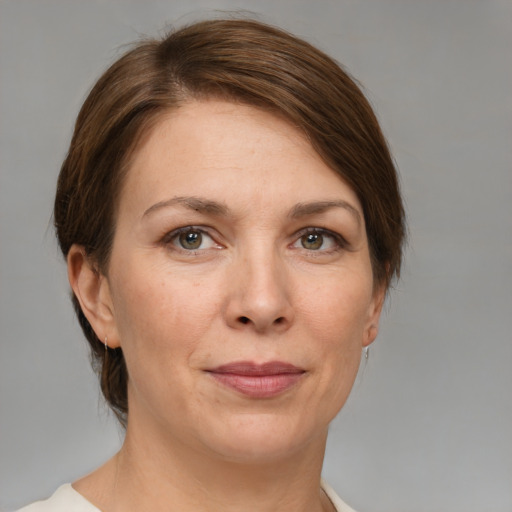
(171,237)
(339,241)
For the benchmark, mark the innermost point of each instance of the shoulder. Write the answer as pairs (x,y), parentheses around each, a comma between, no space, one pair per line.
(65,499)
(338,503)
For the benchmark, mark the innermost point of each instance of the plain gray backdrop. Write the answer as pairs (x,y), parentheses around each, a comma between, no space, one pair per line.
(428,427)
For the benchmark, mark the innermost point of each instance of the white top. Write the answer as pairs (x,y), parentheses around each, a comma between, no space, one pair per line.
(66,499)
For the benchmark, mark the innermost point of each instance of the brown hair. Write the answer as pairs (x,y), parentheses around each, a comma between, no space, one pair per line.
(238,60)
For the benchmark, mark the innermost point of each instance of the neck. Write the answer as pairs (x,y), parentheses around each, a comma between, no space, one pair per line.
(161,474)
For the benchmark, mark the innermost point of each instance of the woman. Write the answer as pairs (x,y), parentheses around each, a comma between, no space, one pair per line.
(231,220)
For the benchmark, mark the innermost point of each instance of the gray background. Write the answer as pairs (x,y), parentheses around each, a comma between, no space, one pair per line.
(429,424)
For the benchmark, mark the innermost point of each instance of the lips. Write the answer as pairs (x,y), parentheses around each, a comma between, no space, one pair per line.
(258,380)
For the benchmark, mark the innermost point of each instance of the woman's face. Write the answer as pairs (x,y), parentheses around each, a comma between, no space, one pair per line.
(240,286)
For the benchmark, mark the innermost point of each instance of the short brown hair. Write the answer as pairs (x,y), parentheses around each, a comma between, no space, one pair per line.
(238,60)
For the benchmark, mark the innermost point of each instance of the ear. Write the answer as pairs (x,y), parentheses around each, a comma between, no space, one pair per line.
(372,325)
(92,290)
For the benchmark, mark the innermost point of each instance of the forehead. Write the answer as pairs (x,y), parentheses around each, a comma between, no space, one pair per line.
(230,151)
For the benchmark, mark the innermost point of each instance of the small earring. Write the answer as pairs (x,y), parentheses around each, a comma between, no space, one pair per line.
(106,345)
(366,353)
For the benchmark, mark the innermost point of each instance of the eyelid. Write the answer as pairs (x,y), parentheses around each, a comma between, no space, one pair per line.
(339,239)
(170,236)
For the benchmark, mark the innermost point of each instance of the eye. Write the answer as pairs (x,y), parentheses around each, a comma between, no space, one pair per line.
(312,241)
(190,239)
(315,239)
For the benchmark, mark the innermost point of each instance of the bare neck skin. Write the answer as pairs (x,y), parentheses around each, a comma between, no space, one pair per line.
(147,474)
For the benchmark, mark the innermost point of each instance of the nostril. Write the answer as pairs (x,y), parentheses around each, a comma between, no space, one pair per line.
(246,320)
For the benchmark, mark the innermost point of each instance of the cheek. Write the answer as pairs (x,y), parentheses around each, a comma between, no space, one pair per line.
(336,317)
(160,312)
(161,322)
(338,311)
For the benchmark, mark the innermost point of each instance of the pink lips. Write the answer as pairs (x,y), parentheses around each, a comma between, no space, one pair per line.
(258,380)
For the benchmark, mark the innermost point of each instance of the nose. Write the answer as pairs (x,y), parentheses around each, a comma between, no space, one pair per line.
(259,294)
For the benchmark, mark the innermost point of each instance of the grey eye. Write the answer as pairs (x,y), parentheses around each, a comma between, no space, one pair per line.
(190,240)
(319,240)
(312,241)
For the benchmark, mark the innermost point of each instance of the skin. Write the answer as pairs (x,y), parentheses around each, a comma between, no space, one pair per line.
(255,289)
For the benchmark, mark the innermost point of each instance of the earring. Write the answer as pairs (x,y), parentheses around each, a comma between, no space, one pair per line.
(106,345)
(366,353)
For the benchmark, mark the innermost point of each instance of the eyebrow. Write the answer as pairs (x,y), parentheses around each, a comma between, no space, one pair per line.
(202,205)
(198,204)
(316,207)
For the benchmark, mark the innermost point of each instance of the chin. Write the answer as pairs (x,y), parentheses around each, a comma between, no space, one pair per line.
(261,440)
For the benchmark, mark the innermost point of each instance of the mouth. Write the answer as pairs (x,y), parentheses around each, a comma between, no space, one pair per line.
(258,380)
